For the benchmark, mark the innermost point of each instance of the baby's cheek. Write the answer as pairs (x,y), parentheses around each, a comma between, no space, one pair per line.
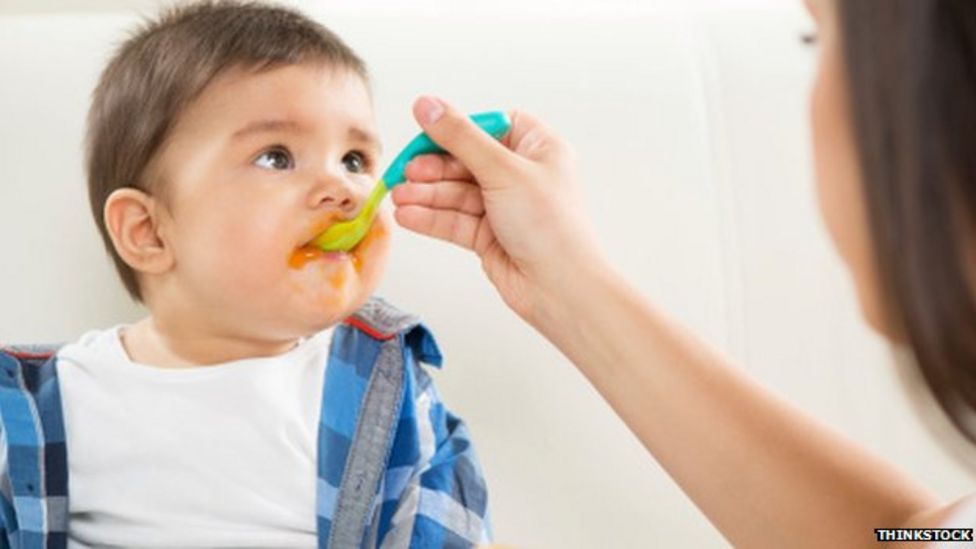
(228,275)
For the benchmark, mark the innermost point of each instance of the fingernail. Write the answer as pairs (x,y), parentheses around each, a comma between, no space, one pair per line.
(429,109)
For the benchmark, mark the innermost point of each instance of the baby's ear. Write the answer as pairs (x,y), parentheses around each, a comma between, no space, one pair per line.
(132,221)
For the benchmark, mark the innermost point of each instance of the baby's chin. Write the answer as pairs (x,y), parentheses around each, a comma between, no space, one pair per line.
(323,288)
(318,292)
(300,317)
(328,290)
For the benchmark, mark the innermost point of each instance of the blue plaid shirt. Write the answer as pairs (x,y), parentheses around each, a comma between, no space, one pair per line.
(395,467)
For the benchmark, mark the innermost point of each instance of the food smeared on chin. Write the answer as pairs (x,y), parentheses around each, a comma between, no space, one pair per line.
(338,280)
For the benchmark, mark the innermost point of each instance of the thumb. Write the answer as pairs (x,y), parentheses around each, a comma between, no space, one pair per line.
(463,139)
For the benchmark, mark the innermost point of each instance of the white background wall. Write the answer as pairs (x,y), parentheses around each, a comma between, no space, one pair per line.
(690,119)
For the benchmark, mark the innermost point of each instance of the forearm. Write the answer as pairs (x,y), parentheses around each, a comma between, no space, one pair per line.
(763,472)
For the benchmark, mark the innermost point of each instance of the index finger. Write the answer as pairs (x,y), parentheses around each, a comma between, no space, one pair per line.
(485,157)
(436,167)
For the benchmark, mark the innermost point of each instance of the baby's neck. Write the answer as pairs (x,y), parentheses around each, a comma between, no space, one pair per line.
(146,342)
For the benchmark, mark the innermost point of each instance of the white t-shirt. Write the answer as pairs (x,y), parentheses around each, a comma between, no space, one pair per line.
(215,456)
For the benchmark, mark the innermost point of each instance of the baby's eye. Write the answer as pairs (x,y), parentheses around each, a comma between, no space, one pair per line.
(355,162)
(277,158)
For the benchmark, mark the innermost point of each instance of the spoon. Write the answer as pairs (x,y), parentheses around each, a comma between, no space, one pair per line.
(343,236)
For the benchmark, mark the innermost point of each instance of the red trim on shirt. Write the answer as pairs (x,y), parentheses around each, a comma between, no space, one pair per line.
(24,355)
(373,332)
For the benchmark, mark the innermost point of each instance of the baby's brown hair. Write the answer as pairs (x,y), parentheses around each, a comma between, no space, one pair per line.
(167,63)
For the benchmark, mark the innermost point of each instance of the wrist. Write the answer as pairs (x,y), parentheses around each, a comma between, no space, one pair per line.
(567,301)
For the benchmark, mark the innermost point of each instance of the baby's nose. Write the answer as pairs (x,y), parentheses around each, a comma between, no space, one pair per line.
(335,192)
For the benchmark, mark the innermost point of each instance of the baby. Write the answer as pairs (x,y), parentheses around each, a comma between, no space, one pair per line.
(267,400)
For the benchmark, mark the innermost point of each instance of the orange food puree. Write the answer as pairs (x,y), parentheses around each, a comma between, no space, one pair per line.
(303,255)
(338,280)
(300,257)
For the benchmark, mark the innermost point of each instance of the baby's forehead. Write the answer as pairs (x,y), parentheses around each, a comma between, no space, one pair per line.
(298,98)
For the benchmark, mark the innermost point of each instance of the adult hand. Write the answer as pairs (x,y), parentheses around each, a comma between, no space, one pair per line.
(757,467)
(515,203)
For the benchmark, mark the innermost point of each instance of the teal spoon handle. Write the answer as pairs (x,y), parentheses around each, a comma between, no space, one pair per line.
(495,123)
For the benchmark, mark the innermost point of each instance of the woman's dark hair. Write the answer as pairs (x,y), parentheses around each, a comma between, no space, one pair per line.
(911,78)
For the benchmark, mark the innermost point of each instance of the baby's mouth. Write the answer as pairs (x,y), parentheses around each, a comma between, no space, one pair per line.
(308,251)
(317,230)
(311,246)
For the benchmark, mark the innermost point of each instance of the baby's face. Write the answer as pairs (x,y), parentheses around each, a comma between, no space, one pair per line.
(255,168)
